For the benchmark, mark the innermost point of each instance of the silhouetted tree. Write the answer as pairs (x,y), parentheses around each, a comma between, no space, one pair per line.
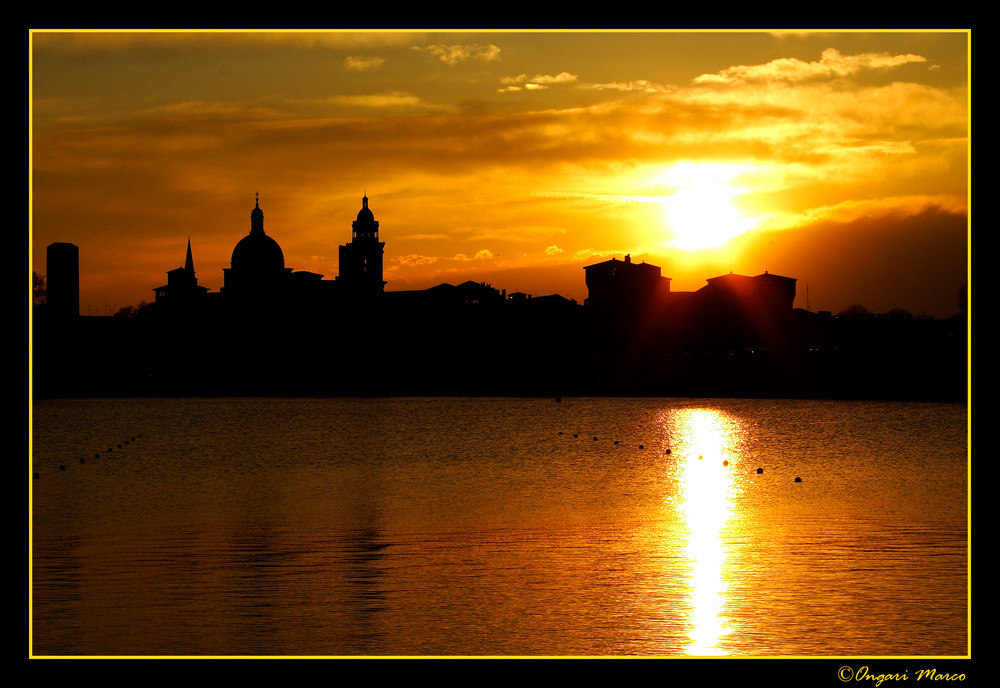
(854,311)
(130,311)
(37,288)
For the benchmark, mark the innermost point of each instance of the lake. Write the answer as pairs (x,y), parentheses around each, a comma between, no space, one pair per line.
(499,527)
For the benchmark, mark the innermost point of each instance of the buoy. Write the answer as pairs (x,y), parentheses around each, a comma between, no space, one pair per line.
(616,441)
(574,434)
(560,432)
(668,451)
(83,460)
(119,446)
(798,480)
(97,456)
(760,470)
(725,463)
(62,468)
(700,457)
(595,438)
(641,447)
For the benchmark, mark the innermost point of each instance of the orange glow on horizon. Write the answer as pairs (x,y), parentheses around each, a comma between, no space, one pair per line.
(509,157)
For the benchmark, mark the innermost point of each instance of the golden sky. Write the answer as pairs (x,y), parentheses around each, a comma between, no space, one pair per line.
(514,158)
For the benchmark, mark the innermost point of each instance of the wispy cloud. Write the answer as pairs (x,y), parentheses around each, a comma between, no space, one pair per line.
(638,85)
(358,63)
(453,54)
(521,82)
(831,64)
(414,259)
(482,254)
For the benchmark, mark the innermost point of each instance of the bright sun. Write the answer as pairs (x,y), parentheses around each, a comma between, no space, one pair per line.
(700,213)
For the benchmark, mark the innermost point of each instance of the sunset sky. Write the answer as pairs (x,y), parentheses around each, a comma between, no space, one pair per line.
(513,158)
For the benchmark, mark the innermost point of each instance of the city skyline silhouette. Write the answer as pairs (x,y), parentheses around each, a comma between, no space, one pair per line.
(286,331)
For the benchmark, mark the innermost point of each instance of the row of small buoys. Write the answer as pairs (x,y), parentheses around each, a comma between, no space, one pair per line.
(797,478)
(97,455)
(595,438)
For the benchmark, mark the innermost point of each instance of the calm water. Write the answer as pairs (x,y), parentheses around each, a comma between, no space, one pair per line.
(499,527)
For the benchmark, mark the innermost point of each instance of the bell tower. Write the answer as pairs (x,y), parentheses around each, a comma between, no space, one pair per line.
(361,259)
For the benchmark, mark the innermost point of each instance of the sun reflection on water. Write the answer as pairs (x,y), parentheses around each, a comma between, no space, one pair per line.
(705,450)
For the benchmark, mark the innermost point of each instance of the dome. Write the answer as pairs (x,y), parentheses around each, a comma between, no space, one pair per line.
(258,252)
(365,215)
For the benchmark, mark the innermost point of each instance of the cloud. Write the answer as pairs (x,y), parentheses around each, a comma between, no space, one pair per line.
(536,83)
(553,250)
(378,100)
(453,54)
(425,236)
(482,254)
(639,85)
(360,64)
(415,259)
(831,64)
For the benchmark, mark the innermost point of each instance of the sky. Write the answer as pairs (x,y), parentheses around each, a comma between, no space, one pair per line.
(513,158)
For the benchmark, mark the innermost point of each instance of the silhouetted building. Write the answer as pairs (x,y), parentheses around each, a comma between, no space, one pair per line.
(182,285)
(62,296)
(361,259)
(616,285)
(257,269)
(740,311)
(626,302)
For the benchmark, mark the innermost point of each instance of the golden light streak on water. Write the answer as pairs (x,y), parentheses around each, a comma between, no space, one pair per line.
(706,452)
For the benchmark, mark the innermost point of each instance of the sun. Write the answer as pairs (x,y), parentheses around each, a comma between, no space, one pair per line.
(700,212)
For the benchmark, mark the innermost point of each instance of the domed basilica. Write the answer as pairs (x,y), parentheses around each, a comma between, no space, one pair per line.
(258,263)
(257,270)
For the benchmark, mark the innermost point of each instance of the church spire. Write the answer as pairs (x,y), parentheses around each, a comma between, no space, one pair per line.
(257,218)
(189,261)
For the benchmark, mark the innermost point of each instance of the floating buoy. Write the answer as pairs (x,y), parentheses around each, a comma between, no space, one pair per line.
(119,446)
(700,457)
(641,447)
(616,441)
(575,434)
(97,456)
(560,432)
(798,480)
(83,460)
(595,438)
(725,463)
(668,451)
(62,468)
(760,470)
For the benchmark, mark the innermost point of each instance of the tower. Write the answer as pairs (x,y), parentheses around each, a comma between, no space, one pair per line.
(182,285)
(62,294)
(361,259)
